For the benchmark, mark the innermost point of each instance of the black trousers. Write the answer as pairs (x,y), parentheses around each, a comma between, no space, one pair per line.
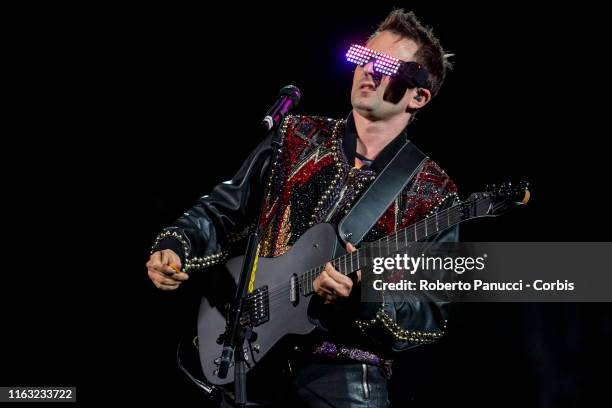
(338,385)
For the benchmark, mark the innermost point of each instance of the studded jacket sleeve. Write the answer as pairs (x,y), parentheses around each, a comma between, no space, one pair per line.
(412,320)
(202,235)
(403,321)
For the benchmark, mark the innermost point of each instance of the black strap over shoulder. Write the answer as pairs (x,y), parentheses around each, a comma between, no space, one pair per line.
(381,193)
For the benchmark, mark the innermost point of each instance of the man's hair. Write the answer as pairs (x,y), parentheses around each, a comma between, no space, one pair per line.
(430,53)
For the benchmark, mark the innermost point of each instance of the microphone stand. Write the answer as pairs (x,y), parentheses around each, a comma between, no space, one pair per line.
(235,334)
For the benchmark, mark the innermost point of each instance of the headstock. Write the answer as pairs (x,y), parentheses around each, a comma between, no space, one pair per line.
(496,200)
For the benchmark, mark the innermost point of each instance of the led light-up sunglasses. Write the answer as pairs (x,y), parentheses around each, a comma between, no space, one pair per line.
(412,72)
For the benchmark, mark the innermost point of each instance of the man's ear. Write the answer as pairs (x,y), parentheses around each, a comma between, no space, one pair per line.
(417,98)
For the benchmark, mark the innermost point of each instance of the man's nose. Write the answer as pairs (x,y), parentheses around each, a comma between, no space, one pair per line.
(369,68)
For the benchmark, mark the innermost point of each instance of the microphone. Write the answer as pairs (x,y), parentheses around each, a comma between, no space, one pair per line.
(288,97)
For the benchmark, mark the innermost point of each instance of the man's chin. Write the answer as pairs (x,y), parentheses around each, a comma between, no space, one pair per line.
(363,105)
(367,112)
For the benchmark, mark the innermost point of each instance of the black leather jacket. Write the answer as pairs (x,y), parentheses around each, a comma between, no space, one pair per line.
(203,235)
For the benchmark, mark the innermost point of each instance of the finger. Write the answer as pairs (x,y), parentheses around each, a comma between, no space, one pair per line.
(324,292)
(335,287)
(163,286)
(157,276)
(176,268)
(320,287)
(154,260)
(170,258)
(339,277)
(165,269)
(167,287)
(157,264)
(350,248)
(316,284)
(176,265)
(166,257)
(169,282)
(180,276)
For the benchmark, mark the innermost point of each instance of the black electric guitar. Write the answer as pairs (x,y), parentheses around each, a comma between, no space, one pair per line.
(278,305)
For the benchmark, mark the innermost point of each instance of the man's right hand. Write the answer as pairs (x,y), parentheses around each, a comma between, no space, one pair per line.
(164,269)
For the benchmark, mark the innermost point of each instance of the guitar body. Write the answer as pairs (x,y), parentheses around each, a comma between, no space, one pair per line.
(281,316)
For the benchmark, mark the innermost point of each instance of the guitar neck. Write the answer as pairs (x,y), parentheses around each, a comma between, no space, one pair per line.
(391,244)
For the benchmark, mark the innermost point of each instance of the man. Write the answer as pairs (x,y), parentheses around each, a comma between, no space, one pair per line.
(323,167)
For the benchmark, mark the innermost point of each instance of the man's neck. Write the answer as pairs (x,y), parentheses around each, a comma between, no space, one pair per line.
(373,136)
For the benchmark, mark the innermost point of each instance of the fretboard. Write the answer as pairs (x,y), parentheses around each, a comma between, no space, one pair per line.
(388,245)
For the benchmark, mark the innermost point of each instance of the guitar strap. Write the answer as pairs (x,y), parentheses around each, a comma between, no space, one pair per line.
(381,193)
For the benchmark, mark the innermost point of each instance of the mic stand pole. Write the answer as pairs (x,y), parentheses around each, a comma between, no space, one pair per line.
(234,336)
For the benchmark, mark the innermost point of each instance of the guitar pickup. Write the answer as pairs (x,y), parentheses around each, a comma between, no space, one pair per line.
(256,307)
(293,293)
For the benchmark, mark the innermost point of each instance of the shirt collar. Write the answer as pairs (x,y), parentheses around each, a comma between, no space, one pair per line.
(349,144)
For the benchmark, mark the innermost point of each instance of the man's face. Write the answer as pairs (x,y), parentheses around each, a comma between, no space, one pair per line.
(366,96)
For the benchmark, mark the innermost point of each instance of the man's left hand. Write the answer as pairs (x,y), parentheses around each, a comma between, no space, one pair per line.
(331,284)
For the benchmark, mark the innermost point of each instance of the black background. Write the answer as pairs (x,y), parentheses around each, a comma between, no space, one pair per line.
(122,117)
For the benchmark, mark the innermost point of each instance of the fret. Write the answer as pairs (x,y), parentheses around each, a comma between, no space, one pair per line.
(388,249)
(309,285)
(311,280)
(453,217)
(302,282)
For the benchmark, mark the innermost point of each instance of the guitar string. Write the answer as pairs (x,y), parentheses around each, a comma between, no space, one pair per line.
(282,291)
(274,293)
